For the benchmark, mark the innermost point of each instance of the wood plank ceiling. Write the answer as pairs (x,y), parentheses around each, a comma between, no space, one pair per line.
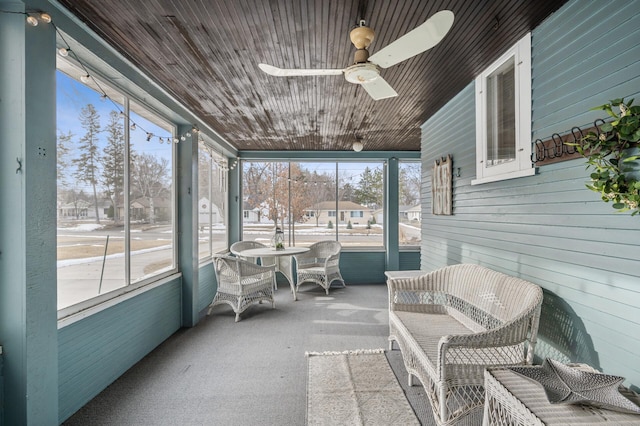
(206,54)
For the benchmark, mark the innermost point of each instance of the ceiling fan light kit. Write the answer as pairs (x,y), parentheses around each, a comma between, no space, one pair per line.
(361,73)
(366,70)
(358,146)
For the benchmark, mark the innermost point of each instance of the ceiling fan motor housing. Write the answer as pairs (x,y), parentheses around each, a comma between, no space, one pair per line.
(361,37)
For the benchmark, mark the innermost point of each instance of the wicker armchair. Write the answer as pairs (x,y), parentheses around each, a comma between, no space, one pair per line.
(239,246)
(241,283)
(321,264)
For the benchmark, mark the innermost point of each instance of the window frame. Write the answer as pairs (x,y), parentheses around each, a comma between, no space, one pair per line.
(215,163)
(522,166)
(131,285)
(337,216)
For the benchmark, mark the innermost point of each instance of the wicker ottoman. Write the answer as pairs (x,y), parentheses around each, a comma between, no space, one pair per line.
(512,400)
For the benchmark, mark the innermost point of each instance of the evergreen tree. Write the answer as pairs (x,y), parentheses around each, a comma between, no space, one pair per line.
(369,191)
(113,163)
(88,161)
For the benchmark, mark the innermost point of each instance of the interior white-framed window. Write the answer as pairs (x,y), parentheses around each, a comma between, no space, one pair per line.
(503,116)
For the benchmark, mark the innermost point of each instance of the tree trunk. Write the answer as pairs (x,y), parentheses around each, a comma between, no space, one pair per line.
(95,202)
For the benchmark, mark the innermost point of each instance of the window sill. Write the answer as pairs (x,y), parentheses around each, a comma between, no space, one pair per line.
(505,176)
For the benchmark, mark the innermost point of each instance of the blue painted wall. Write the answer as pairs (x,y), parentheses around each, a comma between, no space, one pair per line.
(96,350)
(207,286)
(549,228)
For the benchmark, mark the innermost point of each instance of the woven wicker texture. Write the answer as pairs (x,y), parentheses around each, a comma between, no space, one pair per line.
(242,283)
(239,246)
(513,400)
(452,323)
(320,265)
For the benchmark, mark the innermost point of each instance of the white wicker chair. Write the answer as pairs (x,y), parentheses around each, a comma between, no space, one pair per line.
(321,264)
(240,246)
(241,283)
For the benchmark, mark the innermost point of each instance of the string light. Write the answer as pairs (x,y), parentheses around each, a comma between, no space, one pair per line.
(34,17)
(31,19)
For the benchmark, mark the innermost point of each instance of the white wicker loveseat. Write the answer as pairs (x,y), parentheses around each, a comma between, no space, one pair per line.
(450,324)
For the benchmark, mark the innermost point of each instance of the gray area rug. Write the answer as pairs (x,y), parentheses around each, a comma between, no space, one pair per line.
(355,388)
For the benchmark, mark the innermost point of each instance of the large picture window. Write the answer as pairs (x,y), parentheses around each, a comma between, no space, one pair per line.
(212,202)
(503,116)
(115,196)
(312,202)
(409,209)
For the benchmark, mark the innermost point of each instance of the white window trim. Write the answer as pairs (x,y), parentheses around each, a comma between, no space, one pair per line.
(522,165)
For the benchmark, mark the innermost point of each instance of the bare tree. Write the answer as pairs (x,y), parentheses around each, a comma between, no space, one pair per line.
(255,188)
(409,182)
(150,177)
(62,156)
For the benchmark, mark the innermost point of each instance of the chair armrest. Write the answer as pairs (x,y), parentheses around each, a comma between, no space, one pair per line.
(251,269)
(334,259)
(500,346)
(416,294)
(308,260)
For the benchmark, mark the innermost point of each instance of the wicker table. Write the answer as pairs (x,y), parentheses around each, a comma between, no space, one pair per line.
(515,400)
(283,259)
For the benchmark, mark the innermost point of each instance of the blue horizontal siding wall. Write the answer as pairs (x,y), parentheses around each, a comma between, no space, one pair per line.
(96,350)
(409,260)
(208,286)
(362,267)
(549,228)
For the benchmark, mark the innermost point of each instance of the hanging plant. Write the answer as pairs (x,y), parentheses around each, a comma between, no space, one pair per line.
(612,153)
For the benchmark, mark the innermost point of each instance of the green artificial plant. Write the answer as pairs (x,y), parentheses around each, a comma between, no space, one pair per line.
(612,153)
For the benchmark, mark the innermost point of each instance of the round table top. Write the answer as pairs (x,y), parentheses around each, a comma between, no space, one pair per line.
(268,251)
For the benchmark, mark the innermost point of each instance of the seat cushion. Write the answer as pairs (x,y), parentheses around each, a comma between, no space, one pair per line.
(427,329)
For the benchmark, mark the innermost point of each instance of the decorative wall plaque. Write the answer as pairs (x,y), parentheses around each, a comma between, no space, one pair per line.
(442,187)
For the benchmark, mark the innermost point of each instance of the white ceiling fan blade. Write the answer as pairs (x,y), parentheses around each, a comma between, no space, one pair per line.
(379,89)
(416,41)
(288,72)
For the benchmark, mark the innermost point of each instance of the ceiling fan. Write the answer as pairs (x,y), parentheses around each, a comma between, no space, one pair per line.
(365,70)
